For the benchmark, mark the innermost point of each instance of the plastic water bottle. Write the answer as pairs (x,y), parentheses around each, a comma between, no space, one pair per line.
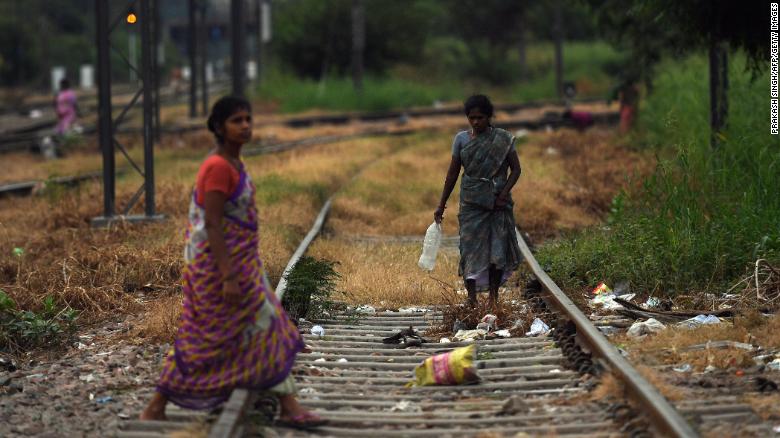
(430,247)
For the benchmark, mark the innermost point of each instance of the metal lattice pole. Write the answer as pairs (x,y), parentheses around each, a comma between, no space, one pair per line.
(192,49)
(203,46)
(237,46)
(105,121)
(148,48)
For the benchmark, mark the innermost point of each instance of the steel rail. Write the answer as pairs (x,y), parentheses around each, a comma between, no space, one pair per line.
(665,416)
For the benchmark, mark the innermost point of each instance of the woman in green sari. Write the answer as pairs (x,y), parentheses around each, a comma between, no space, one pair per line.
(489,252)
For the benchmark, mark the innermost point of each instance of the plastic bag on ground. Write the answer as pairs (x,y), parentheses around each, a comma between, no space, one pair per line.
(643,328)
(430,247)
(488,322)
(469,335)
(452,368)
(605,300)
(538,327)
(700,320)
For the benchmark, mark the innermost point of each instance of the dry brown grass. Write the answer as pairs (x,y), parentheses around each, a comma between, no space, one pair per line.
(161,321)
(766,406)
(95,271)
(104,273)
(571,188)
(667,347)
(396,197)
(386,275)
(611,387)
(569,179)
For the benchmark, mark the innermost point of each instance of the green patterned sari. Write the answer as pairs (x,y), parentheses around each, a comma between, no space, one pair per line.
(487,234)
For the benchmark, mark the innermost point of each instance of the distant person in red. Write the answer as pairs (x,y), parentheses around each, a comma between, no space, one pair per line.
(581,120)
(628,96)
(65,104)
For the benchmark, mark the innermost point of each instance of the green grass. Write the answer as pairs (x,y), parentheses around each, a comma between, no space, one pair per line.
(585,64)
(273,188)
(700,220)
(337,94)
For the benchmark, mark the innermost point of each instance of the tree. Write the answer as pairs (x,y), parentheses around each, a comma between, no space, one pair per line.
(651,28)
(358,42)
(57,38)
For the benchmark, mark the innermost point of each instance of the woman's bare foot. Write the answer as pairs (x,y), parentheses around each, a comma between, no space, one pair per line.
(155,410)
(294,415)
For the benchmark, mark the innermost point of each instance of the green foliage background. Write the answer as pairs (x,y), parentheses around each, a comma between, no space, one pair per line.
(705,215)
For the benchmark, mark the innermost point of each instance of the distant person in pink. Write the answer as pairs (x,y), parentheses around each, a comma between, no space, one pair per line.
(65,103)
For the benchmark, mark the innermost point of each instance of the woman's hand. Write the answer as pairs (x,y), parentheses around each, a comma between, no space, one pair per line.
(438,215)
(231,292)
(501,202)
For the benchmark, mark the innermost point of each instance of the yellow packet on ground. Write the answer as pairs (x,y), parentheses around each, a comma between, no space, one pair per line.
(452,368)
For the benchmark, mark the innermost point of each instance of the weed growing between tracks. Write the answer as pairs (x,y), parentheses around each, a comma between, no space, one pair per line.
(386,275)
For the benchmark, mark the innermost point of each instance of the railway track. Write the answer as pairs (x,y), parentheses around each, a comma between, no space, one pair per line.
(23,188)
(537,386)
(531,385)
(17,133)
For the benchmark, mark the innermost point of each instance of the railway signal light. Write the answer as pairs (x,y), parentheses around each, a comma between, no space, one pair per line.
(131,17)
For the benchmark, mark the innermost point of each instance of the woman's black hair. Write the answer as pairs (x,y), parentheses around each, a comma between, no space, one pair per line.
(64,84)
(479,101)
(222,110)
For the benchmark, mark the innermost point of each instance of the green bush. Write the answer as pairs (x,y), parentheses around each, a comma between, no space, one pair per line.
(705,214)
(22,330)
(311,284)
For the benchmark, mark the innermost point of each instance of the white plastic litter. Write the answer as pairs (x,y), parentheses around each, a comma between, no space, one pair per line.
(774,365)
(469,335)
(87,377)
(317,330)
(489,321)
(538,327)
(307,390)
(322,359)
(430,247)
(643,328)
(444,341)
(520,133)
(605,301)
(365,309)
(554,371)
(710,368)
(413,310)
(699,320)
(342,360)
(503,333)
(36,114)
(684,368)
(403,406)
(651,303)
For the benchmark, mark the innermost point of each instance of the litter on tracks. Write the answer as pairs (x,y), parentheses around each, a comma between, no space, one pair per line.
(538,327)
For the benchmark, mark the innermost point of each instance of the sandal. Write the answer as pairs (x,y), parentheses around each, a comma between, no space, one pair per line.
(305,421)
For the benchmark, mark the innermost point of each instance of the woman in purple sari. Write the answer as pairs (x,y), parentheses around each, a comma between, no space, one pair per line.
(233,331)
(66,107)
